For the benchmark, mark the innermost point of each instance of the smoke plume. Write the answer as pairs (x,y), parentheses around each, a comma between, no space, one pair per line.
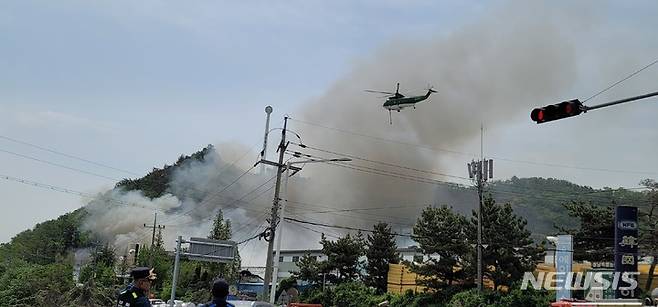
(486,72)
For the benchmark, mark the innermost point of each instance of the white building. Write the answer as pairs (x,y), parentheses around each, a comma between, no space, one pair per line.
(288,258)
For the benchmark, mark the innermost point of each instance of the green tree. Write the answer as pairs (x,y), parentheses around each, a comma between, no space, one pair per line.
(510,251)
(381,250)
(441,231)
(25,284)
(158,259)
(343,256)
(595,238)
(309,269)
(649,228)
(221,228)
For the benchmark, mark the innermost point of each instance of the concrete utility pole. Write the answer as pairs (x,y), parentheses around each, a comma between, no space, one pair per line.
(176,265)
(283,214)
(155,226)
(274,219)
(480,171)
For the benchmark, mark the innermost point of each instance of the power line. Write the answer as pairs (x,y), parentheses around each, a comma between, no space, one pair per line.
(344,227)
(314,230)
(470,155)
(622,80)
(378,162)
(446,183)
(212,196)
(58,165)
(335,212)
(73,192)
(67,155)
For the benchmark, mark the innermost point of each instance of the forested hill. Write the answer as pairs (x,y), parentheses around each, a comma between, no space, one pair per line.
(36,266)
(541,201)
(41,258)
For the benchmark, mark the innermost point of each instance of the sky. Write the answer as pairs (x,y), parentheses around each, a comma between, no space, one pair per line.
(135,84)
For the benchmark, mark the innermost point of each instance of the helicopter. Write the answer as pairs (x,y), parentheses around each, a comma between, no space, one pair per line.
(397,101)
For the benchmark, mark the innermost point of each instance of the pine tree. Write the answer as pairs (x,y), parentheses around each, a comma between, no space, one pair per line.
(381,250)
(343,256)
(443,232)
(510,251)
(649,228)
(221,229)
(594,239)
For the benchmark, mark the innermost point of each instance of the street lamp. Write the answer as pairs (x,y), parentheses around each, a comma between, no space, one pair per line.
(279,227)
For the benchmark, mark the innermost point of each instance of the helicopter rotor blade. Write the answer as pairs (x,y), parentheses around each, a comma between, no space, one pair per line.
(380,92)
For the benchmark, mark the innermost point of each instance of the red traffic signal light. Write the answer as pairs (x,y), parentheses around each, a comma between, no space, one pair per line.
(557,111)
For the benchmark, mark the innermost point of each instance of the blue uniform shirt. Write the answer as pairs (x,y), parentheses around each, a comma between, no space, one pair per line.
(133,297)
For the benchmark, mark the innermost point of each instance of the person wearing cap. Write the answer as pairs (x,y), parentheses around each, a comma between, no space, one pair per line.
(219,294)
(135,294)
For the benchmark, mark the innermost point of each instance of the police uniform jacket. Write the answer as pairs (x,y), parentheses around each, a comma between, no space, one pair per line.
(133,297)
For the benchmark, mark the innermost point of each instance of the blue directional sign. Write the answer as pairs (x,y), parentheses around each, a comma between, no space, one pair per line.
(563,261)
(626,246)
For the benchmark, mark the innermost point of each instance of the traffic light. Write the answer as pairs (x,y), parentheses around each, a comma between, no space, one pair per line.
(557,111)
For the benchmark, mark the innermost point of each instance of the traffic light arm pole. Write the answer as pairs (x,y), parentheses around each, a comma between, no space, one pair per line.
(586,108)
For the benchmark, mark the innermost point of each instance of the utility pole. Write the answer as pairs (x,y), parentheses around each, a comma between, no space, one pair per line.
(274,219)
(480,171)
(263,154)
(155,226)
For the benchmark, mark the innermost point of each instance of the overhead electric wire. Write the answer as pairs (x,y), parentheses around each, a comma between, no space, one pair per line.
(335,234)
(622,80)
(377,162)
(71,191)
(229,205)
(58,165)
(346,227)
(212,196)
(470,155)
(67,155)
(382,218)
(366,169)
(315,230)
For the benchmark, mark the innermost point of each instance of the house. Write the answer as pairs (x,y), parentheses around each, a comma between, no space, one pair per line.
(288,259)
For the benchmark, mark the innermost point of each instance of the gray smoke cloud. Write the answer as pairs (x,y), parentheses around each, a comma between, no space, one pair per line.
(187,208)
(486,72)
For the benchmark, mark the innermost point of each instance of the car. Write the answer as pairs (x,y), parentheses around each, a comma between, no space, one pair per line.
(157,302)
(177,303)
(241,303)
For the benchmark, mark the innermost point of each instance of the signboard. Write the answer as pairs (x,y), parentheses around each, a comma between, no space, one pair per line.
(626,246)
(563,260)
(595,292)
(209,250)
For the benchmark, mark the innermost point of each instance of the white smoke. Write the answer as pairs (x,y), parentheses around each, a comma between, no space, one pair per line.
(486,72)
(188,207)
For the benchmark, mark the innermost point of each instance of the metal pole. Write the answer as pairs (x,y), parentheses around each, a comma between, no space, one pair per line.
(275,207)
(176,264)
(586,108)
(280,234)
(479,181)
(155,220)
(263,155)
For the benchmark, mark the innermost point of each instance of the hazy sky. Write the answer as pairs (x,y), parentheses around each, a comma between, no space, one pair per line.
(134,84)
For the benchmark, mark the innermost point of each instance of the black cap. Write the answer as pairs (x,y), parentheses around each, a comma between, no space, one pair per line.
(142,272)
(220,288)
